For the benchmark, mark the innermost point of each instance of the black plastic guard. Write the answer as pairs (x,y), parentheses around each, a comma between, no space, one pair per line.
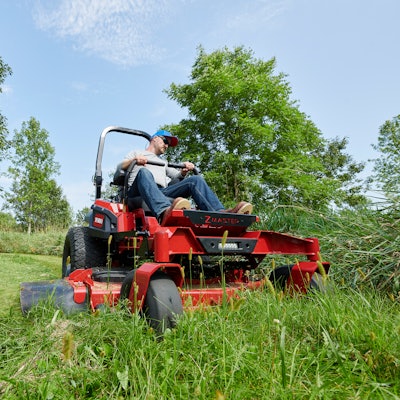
(58,293)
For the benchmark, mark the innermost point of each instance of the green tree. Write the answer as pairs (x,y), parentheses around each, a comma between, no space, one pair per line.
(386,172)
(250,139)
(340,167)
(34,197)
(7,222)
(5,70)
(80,216)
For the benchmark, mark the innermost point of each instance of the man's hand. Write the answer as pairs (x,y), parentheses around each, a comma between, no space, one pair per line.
(188,167)
(140,160)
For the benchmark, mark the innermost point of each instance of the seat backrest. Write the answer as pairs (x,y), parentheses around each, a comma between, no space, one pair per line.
(119,177)
(137,202)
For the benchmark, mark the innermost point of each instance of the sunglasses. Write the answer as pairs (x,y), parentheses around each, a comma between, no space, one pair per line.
(164,139)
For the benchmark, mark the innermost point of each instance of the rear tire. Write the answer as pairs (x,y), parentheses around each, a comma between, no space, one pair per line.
(318,283)
(279,276)
(82,251)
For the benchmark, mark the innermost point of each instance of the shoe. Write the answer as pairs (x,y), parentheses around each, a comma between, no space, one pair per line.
(241,208)
(179,203)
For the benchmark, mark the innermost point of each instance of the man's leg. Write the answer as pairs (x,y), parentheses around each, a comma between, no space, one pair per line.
(145,187)
(196,187)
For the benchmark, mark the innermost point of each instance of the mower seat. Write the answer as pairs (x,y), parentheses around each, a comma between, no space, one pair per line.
(138,202)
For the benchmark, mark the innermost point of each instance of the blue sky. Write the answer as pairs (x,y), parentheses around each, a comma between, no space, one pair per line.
(81,65)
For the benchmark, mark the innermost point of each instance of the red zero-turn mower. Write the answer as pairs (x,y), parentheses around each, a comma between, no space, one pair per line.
(195,258)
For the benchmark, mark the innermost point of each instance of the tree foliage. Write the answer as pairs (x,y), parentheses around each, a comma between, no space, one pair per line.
(34,197)
(5,70)
(386,172)
(251,140)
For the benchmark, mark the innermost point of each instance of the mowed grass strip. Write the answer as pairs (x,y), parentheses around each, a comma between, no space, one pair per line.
(17,268)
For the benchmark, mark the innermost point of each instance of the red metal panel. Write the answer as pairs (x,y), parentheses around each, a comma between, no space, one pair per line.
(141,281)
(185,241)
(104,293)
(300,276)
(126,222)
(161,245)
(269,242)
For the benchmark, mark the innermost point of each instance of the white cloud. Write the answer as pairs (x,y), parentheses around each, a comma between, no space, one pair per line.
(79,86)
(6,89)
(254,14)
(119,31)
(142,32)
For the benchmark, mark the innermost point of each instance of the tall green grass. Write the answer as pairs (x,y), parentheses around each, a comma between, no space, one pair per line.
(363,246)
(341,345)
(44,243)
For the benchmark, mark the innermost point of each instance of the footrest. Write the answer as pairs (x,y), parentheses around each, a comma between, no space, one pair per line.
(214,219)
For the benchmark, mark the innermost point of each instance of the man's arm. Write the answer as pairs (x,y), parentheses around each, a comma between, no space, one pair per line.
(178,174)
(140,160)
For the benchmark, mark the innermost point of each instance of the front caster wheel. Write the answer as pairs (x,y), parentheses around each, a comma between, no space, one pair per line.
(163,303)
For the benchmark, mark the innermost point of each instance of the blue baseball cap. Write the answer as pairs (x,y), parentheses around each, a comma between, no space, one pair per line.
(172,140)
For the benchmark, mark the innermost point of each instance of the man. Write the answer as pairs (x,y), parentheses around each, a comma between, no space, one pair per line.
(151,182)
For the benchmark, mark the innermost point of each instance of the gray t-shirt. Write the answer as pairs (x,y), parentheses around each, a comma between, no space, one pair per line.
(162,173)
